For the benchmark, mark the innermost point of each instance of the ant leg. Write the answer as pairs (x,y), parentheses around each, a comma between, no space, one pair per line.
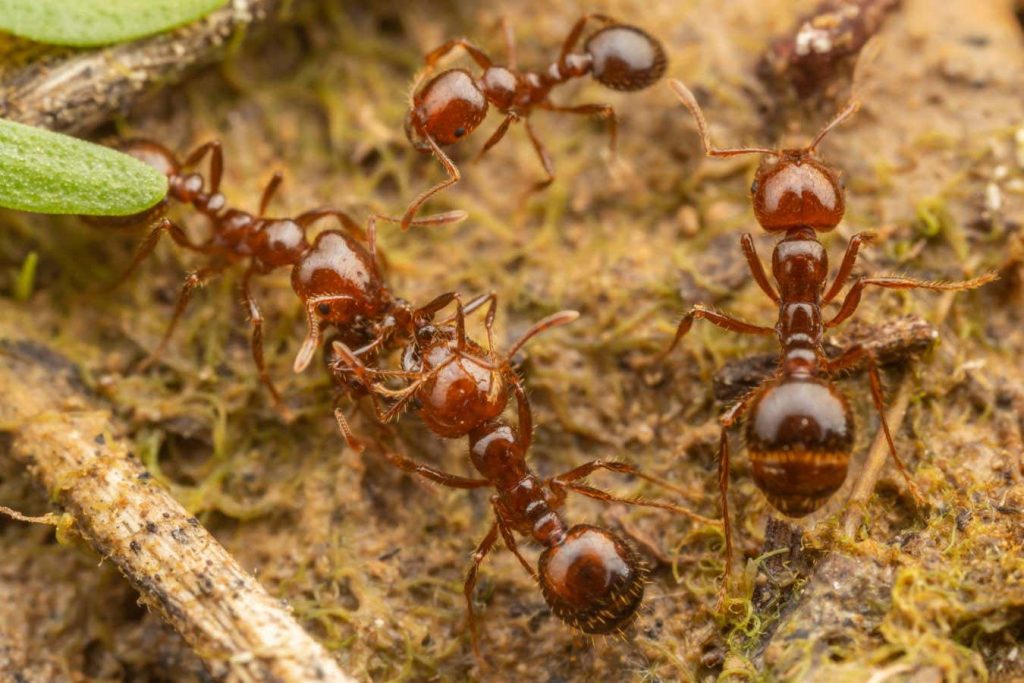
(453,177)
(846,267)
(525,414)
(269,190)
(492,311)
(216,162)
(433,474)
(575,33)
(304,220)
(496,136)
(603,111)
(256,318)
(727,420)
(545,160)
(719,319)
(757,267)
(852,356)
(193,281)
(852,299)
(479,56)
(571,478)
(485,547)
(510,540)
(149,244)
(510,45)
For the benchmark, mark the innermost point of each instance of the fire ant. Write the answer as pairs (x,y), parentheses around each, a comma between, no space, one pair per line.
(336,276)
(798,426)
(592,579)
(453,103)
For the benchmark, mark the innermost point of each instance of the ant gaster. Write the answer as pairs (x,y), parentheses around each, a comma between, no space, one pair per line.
(591,578)
(453,103)
(799,428)
(336,276)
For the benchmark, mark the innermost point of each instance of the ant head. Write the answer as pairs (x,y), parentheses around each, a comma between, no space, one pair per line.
(626,57)
(795,189)
(592,580)
(447,109)
(461,389)
(792,188)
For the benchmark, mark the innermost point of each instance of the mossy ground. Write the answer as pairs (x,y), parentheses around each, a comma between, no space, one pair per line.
(372,560)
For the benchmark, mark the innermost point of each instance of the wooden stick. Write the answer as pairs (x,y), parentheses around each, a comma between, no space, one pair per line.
(73,91)
(64,438)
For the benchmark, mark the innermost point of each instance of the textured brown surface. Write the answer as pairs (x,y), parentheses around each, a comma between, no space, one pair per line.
(373,561)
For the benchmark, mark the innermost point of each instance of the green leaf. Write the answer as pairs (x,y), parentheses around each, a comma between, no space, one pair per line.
(48,172)
(85,23)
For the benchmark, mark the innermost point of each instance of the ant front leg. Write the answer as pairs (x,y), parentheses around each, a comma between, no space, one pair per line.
(193,281)
(852,356)
(852,299)
(569,480)
(212,148)
(497,135)
(846,267)
(256,318)
(478,55)
(269,190)
(719,319)
(602,111)
(510,44)
(757,267)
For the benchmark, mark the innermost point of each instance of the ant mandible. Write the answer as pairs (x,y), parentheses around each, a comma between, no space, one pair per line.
(592,579)
(453,103)
(798,427)
(335,275)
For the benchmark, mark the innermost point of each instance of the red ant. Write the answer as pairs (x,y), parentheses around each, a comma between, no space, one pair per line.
(592,579)
(452,104)
(798,426)
(337,277)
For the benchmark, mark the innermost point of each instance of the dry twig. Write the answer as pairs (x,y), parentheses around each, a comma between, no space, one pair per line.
(62,435)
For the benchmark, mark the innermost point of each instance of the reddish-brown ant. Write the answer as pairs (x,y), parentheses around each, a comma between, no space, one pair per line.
(798,427)
(453,103)
(591,578)
(336,276)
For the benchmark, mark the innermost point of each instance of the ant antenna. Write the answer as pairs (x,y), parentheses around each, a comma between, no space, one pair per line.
(554,320)
(850,110)
(690,102)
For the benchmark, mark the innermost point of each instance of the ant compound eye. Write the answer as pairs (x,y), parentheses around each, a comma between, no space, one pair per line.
(323,309)
(459,132)
(754,186)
